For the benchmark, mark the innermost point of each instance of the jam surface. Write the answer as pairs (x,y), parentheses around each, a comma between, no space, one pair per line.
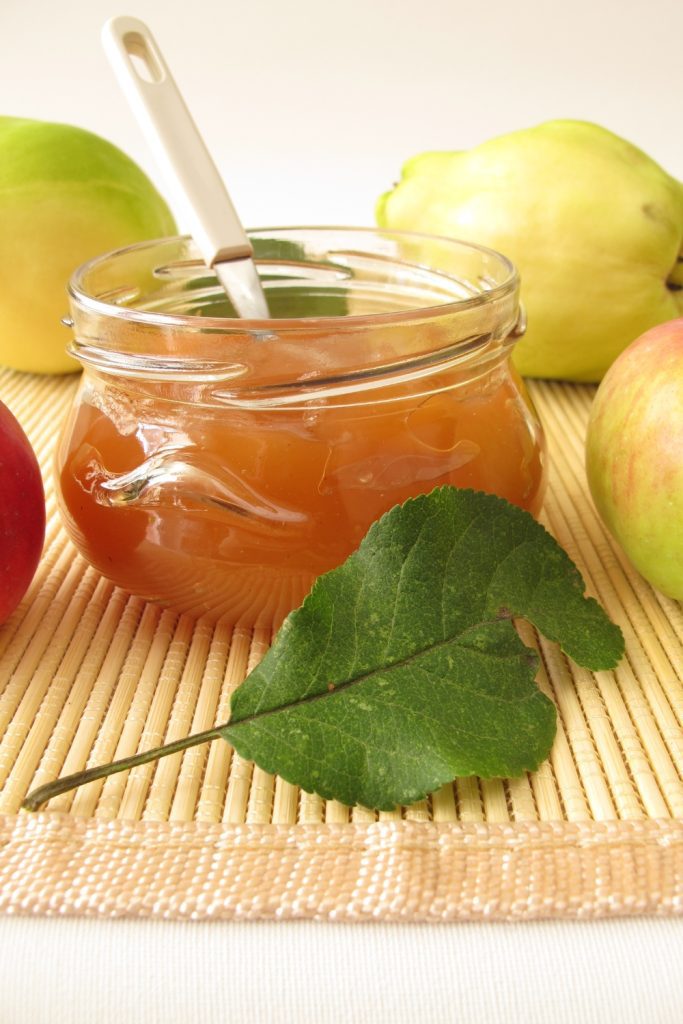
(233,512)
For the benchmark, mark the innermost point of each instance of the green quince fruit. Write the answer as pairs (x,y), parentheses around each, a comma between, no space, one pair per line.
(594,226)
(66,195)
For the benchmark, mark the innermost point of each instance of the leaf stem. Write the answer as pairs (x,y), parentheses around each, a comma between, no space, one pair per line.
(37,797)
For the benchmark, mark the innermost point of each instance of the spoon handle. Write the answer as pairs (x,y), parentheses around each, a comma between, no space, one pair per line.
(196,188)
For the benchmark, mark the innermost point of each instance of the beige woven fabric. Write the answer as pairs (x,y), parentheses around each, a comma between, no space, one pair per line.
(88,673)
(393,871)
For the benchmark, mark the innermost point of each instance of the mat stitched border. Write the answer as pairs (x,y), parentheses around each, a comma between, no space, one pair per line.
(54,864)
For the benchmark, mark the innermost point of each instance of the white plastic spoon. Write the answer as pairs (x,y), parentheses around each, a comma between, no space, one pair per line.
(196,188)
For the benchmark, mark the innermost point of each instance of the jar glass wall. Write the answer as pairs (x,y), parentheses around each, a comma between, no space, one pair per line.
(219,465)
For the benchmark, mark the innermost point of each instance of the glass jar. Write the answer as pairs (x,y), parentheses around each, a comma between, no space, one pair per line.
(219,465)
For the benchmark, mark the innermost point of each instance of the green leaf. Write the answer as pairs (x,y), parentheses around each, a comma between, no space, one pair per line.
(402,669)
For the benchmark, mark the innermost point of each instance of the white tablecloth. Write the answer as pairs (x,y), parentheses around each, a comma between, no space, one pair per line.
(81,971)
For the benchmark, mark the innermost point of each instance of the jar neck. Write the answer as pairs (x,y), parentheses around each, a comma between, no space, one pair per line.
(358,308)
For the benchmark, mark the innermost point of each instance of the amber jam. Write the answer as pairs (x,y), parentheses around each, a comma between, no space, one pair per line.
(218,466)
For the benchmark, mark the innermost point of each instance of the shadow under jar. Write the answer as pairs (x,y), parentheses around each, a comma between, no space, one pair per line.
(219,465)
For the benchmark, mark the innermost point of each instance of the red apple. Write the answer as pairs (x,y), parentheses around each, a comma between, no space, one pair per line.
(22,513)
(634,454)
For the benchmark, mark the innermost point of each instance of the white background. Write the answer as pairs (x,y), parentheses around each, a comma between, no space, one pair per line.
(86,971)
(310,107)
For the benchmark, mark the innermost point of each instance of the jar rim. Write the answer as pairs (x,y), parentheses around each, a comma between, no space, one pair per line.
(95,304)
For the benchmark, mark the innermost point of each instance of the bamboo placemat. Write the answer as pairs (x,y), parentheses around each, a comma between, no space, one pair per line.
(88,673)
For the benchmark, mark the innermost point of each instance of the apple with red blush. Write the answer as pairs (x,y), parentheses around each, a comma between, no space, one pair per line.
(634,455)
(22,513)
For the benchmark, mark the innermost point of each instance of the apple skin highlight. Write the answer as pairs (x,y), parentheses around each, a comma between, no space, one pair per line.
(634,455)
(66,195)
(22,513)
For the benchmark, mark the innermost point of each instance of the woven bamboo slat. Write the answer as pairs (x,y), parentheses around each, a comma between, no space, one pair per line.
(89,673)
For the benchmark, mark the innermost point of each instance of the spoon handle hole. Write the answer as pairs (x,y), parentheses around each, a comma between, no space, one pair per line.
(144,60)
